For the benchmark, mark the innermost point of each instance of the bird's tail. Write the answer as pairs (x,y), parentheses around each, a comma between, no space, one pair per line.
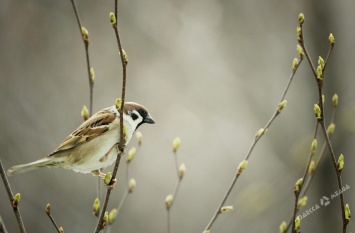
(18,169)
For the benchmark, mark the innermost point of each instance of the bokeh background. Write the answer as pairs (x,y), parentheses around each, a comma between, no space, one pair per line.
(211,72)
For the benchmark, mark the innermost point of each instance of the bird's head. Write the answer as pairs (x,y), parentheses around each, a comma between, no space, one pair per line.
(137,114)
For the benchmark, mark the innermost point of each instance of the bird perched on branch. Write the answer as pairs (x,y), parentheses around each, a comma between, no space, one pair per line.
(94,144)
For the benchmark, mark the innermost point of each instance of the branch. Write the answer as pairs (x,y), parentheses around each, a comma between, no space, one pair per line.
(121,145)
(48,212)
(258,135)
(14,203)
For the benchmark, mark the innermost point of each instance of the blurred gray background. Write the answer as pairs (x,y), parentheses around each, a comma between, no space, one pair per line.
(211,72)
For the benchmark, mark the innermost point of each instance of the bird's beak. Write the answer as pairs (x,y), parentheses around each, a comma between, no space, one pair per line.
(148,119)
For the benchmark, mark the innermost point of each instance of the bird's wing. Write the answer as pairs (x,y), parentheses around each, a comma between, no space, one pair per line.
(95,126)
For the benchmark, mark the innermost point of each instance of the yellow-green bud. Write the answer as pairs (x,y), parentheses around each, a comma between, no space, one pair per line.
(330,129)
(105,219)
(112,216)
(340,163)
(168,201)
(48,209)
(118,104)
(16,200)
(312,167)
(139,137)
(92,74)
(299,34)
(297,223)
(298,185)
(112,18)
(295,63)
(302,202)
(125,133)
(131,185)
(317,111)
(96,207)
(281,105)
(241,167)
(314,147)
(131,154)
(125,56)
(85,34)
(335,100)
(323,99)
(319,72)
(176,144)
(61,230)
(206,231)
(85,113)
(283,227)
(226,209)
(108,177)
(331,39)
(182,170)
(321,61)
(301,18)
(300,51)
(347,212)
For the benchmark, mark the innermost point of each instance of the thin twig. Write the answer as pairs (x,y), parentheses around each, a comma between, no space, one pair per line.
(48,212)
(2,226)
(121,145)
(91,81)
(11,197)
(256,139)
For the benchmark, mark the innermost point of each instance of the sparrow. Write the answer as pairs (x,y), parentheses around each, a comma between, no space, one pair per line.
(94,144)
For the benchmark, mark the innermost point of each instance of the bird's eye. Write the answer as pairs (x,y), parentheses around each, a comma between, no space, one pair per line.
(134,116)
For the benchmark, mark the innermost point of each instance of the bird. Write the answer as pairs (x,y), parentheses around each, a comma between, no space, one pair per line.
(95,143)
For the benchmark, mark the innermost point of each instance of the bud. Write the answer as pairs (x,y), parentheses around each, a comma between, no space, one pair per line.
(330,129)
(321,62)
(131,154)
(311,167)
(323,99)
(112,216)
(297,223)
(125,57)
(302,202)
(48,209)
(226,209)
(340,163)
(300,51)
(298,185)
(319,72)
(96,207)
(182,170)
(295,64)
(61,230)
(112,18)
(281,105)
(347,212)
(85,34)
(105,219)
(131,185)
(125,133)
(283,227)
(176,144)
(331,39)
(169,201)
(241,167)
(139,137)
(16,200)
(317,111)
(314,147)
(299,34)
(85,113)
(206,231)
(108,177)
(260,132)
(92,74)
(335,100)
(301,18)
(118,103)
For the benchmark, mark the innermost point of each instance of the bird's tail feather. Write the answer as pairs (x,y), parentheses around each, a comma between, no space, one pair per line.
(18,169)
